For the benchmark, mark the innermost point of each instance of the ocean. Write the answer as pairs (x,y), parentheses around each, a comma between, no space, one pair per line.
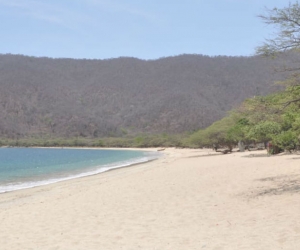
(30,167)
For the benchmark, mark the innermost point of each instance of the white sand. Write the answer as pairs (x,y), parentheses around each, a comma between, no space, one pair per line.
(181,201)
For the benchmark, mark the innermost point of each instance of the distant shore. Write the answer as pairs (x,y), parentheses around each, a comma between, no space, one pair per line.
(183,200)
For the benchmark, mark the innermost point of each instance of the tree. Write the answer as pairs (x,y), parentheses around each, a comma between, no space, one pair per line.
(264,131)
(222,133)
(287,23)
(287,39)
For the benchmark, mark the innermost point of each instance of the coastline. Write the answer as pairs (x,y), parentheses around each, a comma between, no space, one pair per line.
(179,201)
(149,155)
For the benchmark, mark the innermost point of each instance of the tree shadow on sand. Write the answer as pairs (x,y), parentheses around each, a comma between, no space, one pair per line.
(284,184)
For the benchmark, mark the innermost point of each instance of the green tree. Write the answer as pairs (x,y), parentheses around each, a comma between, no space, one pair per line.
(286,140)
(221,133)
(264,131)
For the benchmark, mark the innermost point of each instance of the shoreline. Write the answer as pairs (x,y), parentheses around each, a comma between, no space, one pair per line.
(180,201)
(100,170)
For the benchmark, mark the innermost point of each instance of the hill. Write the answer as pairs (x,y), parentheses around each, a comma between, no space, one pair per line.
(114,97)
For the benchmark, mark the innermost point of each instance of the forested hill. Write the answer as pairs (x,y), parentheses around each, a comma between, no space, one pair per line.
(95,98)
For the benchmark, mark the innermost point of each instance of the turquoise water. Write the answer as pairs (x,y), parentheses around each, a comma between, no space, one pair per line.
(29,167)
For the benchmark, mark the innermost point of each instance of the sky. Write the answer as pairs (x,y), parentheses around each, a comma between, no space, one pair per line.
(145,29)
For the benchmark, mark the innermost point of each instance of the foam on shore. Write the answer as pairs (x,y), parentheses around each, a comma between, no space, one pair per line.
(149,156)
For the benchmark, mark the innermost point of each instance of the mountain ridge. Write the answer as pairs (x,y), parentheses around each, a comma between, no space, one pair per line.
(116,97)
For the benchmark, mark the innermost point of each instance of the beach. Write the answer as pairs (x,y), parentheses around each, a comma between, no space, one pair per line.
(187,199)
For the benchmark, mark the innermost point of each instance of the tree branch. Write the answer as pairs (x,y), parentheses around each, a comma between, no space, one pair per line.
(286,104)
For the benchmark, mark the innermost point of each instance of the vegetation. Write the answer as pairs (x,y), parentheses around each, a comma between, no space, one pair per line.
(260,119)
(141,141)
(275,117)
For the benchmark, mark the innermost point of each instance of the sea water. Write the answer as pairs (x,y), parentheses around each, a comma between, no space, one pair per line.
(30,167)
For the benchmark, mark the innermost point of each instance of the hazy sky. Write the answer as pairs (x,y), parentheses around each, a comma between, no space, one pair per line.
(146,29)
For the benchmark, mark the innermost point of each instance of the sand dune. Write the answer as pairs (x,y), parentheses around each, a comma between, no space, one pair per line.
(181,201)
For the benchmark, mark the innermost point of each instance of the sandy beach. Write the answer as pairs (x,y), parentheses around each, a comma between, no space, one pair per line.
(188,199)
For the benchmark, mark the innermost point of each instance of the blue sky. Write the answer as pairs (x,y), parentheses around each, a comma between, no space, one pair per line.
(99,29)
